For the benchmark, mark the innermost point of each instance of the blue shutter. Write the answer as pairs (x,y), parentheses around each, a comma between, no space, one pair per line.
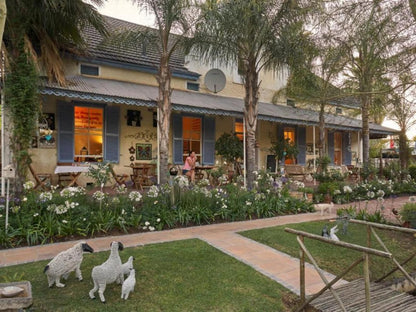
(280,131)
(65,132)
(208,141)
(177,139)
(301,141)
(280,136)
(112,134)
(346,149)
(331,146)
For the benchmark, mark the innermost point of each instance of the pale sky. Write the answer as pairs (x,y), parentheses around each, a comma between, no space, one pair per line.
(125,10)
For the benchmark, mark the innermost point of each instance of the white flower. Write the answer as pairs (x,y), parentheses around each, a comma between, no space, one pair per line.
(182,181)
(336,192)
(1,215)
(64,221)
(59,209)
(84,219)
(347,189)
(412,198)
(153,191)
(135,196)
(370,194)
(115,200)
(98,195)
(248,203)
(151,228)
(45,196)
(28,185)
(158,220)
(380,193)
(123,212)
(24,199)
(147,223)
(144,228)
(121,189)
(155,203)
(35,215)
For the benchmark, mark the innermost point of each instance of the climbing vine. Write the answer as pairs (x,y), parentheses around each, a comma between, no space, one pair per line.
(23,108)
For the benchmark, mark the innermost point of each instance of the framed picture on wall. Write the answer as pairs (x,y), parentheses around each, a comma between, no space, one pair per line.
(133,118)
(143,151)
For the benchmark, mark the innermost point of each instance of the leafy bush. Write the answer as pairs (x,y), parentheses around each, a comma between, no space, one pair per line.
(408,214)
(412,171)
(43,217)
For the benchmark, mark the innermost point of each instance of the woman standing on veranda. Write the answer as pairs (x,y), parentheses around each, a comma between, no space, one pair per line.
(189,166)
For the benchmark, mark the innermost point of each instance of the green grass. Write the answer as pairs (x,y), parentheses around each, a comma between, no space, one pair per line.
(336,259)
(177,276)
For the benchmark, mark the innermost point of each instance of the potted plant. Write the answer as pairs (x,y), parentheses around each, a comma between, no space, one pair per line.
(307,193)
(284,149)
(230,148)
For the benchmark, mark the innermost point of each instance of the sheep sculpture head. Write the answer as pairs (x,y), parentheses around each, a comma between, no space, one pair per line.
(87,248)
(120,245)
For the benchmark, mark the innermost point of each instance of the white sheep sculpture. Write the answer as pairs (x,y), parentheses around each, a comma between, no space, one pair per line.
(108,272)
(65,262)
(127,266)
(128,285)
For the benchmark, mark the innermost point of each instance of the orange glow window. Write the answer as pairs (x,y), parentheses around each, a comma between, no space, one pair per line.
(88,136)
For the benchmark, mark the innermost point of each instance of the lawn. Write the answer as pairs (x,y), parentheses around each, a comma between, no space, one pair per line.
(176,276)
(336,259)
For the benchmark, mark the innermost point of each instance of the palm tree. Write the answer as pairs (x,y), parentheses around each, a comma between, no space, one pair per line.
(253,35)
(48,28)
(45,28)
(380,39)
(170,16)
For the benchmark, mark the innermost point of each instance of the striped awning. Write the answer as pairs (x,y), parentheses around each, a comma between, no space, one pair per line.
(112,91)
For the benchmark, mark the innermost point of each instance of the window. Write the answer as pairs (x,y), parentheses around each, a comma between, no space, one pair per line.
(88,134)
(89,70)
(191,131)
(192,86)
(289,133)
(239,129)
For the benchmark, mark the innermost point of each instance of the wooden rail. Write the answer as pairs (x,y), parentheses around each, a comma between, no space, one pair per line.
(365,258)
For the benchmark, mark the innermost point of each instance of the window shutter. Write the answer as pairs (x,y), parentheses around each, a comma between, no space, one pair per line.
(208,143)
(346,149)
(331,146)
(301,141)
(177,139)
(112,134)
(66,132)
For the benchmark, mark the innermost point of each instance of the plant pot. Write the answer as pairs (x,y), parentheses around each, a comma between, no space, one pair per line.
(327,199)
(309,197)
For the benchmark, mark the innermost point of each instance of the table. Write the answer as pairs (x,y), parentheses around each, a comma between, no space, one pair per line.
(142,174)
(199,171)
(72,171)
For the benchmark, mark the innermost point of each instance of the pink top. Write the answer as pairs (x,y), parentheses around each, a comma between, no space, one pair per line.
(188,163)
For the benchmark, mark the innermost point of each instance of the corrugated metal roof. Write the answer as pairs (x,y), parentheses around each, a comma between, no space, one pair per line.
(95,89)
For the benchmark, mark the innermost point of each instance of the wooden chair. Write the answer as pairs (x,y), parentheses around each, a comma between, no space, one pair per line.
(41,179)
(119,179)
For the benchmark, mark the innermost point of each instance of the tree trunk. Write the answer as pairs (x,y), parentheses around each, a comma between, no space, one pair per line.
(365,112)
(403,151)
(164,105)
(250,115)
(321,144)
(3,14)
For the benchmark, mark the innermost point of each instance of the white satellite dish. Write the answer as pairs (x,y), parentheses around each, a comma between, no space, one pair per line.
(215,80)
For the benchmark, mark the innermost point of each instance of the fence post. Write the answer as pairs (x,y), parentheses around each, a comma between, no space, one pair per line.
(302,274)
(367,282)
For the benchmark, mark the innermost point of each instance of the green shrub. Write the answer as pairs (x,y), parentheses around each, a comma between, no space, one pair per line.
(412,171)
(408,214)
